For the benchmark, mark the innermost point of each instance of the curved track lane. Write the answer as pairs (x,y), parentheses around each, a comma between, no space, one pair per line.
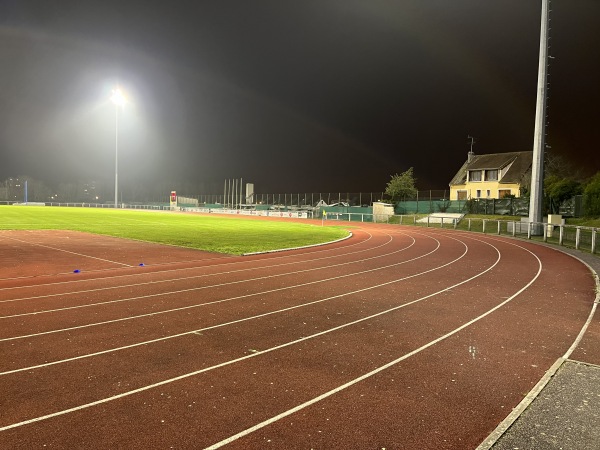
(396,338)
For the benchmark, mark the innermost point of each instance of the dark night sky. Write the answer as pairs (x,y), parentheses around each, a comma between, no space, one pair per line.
(295,96)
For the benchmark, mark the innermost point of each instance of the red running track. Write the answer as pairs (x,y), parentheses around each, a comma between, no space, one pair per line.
(396,338)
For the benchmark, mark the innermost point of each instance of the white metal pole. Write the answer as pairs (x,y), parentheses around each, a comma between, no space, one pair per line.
(539,141)
(116,154)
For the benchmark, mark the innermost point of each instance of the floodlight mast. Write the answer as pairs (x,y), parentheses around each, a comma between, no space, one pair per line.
(119,100)
(539,141)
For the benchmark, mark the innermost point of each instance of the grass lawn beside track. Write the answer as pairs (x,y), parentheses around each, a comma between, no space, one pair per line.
(231,235)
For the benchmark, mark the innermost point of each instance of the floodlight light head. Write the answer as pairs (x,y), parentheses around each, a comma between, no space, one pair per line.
(117,97)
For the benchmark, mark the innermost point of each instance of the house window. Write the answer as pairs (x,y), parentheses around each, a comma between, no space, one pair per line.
(488,193)
(503,193)
(478,193)
(461,195)
(475,175)
(491,175)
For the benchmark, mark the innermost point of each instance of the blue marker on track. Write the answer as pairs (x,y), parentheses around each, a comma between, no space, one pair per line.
(76,271)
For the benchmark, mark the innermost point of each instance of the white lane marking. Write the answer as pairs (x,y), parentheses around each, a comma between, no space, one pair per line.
(213,302)
(239,260)
(596,301)
(371,373)
(87,305)
(242,320)
(287,344)
(62,294)
(70,252)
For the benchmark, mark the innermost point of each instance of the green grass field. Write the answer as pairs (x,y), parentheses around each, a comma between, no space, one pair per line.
(233,235)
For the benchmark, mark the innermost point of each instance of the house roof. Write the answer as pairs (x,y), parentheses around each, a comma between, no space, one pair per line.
(521,164)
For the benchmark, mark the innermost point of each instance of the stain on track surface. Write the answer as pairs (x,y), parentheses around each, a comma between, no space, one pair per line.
(396,338)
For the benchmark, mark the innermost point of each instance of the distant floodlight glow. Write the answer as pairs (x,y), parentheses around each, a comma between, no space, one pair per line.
(117,97)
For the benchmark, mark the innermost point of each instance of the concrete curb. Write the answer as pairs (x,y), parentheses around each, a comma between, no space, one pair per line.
(299,248)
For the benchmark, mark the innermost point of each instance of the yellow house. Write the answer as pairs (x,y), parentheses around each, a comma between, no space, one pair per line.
(491,176)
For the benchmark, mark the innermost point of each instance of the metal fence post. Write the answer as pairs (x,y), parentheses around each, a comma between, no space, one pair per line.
(455,223)
(514,233)
(561,235)
(545,233)
(442,223)
(577,237)
(593,241)
(469,224)
(529,225)
(427,221)
(483,227)
(498,226)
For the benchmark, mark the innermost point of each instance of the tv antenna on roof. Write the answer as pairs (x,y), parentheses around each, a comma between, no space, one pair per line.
(472,141)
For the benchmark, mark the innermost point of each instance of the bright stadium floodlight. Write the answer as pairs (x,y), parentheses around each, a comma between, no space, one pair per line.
(118,99)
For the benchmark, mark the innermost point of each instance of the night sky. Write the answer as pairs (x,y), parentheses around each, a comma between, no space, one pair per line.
(295,96)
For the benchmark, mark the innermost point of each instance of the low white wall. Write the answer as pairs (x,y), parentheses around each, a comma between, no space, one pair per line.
(382,211)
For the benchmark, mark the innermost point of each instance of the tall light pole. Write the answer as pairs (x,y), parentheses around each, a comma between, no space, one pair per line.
(119,100)
(539,140)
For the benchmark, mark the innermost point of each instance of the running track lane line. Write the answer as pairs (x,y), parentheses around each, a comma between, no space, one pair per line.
(89,355)
(373,372)
(184,262)
(316,399)
(61,294)
(68,251)
(164,338)
(196,267)
(235,298)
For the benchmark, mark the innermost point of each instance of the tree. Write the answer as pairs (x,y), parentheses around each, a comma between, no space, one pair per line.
(560,189)
(557,165)
(401,186)
(591,197)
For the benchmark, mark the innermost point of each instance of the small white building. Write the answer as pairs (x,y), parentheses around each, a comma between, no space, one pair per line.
(382,211)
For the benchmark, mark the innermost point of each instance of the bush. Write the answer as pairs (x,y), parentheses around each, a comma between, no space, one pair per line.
(591,197)
(443,205)
(558,190)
